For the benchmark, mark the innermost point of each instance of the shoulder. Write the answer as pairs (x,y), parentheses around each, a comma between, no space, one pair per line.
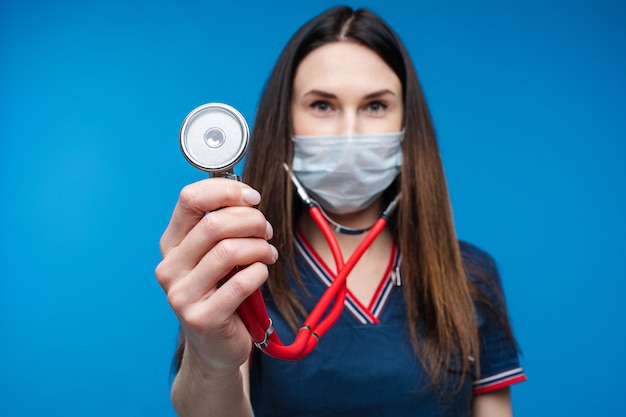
(476,257)
(482,272)
(480,267)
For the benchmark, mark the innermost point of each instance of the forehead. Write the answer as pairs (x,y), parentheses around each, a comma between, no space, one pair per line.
(343,64)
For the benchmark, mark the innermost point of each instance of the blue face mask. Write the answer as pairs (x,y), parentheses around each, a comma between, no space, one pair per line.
(347,173)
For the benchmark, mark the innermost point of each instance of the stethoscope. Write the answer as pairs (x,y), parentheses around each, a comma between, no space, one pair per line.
(213,138)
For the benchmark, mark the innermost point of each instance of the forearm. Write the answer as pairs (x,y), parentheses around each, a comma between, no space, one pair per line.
(493,404)
(196,393)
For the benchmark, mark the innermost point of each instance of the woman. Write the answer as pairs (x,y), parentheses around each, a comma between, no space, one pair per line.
(425,330)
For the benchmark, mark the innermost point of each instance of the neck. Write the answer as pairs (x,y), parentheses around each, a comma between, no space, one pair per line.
(348,242)
(355,223)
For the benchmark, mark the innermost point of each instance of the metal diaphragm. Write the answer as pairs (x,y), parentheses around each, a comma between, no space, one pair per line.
(214,137)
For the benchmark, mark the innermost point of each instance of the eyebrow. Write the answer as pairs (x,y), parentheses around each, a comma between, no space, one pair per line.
(326,94)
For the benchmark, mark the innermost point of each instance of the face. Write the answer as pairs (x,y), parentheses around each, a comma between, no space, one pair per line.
(345,88)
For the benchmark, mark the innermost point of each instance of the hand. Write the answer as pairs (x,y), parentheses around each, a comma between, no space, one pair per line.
(199,251)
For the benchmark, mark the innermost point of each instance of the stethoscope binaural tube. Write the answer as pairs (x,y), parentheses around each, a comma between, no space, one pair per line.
(213,138)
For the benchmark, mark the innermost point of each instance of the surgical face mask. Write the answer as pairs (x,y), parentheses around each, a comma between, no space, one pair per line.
(347,173)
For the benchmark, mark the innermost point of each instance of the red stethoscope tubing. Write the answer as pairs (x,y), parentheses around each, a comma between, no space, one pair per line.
(253,311)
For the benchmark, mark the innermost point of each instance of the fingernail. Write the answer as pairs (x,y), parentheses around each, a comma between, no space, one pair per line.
(274,251)
(251,196)
(269,230)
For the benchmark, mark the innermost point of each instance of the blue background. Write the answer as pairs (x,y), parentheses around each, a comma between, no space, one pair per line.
(529,101)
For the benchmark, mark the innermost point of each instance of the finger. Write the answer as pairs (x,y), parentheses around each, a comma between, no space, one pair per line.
(230,222)
(197,199)
(203,280)
(213,313)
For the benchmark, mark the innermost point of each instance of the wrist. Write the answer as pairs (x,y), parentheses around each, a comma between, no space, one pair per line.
(200,366)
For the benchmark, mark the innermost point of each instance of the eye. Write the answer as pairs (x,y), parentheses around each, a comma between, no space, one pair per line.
(321,106)
(376,106)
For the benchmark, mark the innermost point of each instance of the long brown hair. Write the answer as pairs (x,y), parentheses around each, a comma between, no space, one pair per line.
(441,316)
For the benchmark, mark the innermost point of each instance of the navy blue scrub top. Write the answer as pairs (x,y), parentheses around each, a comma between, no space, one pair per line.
(365,365)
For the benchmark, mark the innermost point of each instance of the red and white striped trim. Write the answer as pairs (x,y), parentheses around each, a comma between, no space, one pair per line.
(498,381)
(363,314)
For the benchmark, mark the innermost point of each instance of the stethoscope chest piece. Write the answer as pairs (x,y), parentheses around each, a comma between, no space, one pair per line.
(214,137)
